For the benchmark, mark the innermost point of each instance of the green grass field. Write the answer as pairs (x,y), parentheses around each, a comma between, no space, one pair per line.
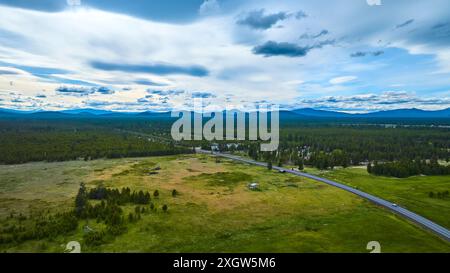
(411,193)
(214,211)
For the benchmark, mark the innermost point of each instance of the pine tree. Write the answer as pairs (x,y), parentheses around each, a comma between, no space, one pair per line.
(301,165)
(81,200)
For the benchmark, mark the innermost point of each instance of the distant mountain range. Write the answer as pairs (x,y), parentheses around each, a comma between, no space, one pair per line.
(285,114)
(399,113)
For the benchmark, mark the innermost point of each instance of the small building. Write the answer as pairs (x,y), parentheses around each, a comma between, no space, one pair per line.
(253,186)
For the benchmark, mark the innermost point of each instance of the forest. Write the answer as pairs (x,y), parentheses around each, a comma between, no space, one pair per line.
(406,168)
(54,141)
(324,145)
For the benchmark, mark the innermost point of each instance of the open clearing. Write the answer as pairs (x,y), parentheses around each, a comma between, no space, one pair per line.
(411,193)
(214,211)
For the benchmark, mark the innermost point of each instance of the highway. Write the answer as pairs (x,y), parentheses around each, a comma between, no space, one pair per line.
(435,228)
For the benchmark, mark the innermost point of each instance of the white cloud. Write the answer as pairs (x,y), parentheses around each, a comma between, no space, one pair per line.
(73,38)
(209,7)
(344,79)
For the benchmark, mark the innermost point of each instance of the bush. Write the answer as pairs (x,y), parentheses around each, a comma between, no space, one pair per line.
(94,238)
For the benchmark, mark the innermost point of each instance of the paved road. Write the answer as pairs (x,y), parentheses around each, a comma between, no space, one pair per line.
(437,229)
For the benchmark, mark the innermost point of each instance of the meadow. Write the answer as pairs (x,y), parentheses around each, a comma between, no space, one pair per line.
(412,193)
(213,210)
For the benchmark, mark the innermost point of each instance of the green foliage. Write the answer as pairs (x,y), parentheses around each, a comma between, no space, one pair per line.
(406,168)
(94,238)
(439,195)
(51,141)
(120,197)
(81,200)
(42,227)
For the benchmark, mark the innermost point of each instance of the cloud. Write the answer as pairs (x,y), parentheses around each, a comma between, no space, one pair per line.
(314,36)
(165,92)
(365,53)
(209,7)
(157,69)
(404,24)
(83,90)
(257,19)
(63,80)
(103,90)
(42,5)
(149,82)
(440,25)
(300,14)
(7,71)
(114,32)
(344,79)
(203,95)
(272,48)
(18,100)
(39,71)
(374,102)
(156,10)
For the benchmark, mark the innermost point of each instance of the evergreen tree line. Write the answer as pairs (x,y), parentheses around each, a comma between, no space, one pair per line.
(439,195)
(52,146)
(328,146)
(407,168)
(120,197)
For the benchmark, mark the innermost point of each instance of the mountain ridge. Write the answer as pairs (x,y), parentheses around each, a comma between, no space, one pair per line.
(300,112)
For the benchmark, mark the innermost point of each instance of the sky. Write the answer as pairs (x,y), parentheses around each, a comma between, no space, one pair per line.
(348,55)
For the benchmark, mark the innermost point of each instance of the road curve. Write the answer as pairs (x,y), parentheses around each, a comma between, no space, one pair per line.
(437,229)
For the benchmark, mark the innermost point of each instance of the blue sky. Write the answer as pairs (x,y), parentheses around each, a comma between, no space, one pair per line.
(153,55)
